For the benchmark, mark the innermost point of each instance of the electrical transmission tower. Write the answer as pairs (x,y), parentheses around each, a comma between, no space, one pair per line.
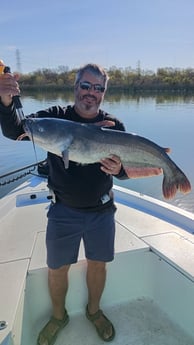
(18,61)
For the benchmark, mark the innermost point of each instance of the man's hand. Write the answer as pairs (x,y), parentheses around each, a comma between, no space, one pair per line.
(111,165)
(105,123)
(8,87)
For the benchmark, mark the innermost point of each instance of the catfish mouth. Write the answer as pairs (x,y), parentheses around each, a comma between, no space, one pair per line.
(26,126)
(28,131)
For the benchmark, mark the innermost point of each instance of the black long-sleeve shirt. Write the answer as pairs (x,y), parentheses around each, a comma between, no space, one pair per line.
(84,187)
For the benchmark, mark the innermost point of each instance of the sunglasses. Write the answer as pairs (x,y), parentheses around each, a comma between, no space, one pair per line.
(86,85)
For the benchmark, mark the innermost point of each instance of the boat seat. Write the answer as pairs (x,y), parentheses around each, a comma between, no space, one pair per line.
(13,280)
(168,241)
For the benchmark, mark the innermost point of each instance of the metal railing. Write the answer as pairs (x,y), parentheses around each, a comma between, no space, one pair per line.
(20,173)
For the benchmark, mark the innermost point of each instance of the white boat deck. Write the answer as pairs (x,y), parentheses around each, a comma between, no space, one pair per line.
(149,293)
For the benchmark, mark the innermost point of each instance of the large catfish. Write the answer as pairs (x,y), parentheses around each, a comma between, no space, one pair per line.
(87,143)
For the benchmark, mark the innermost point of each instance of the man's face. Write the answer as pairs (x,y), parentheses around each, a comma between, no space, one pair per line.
(89,95)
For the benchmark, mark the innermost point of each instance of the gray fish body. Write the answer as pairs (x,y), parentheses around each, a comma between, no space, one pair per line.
(88,144)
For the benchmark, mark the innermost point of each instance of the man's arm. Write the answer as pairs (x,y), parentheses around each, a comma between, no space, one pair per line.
(10,124)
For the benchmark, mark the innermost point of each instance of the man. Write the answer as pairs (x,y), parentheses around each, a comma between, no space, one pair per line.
(83,195)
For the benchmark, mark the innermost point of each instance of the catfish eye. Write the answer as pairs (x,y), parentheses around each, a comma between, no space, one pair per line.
(40,129)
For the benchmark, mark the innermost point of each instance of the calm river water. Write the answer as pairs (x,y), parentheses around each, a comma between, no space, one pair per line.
(166,120)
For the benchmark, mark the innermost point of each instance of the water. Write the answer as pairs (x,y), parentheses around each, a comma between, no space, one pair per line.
(168,121)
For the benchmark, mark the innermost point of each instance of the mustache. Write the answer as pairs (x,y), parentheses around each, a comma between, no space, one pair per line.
(89,96)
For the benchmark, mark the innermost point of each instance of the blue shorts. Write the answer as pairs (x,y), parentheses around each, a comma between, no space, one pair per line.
(67,226)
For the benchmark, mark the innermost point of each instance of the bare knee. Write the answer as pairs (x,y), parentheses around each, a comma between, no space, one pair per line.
(96,265)
(58,272)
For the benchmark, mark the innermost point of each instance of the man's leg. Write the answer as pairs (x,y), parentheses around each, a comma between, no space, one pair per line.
(58,286)
(96,277)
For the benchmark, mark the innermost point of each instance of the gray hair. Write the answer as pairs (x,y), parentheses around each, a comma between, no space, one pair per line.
(96,70)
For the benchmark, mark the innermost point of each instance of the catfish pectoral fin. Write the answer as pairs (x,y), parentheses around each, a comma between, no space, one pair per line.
(65,156)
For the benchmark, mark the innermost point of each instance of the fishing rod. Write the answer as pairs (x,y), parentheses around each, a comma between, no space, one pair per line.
(16,99)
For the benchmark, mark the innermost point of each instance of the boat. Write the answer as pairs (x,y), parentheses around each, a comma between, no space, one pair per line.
(149,294)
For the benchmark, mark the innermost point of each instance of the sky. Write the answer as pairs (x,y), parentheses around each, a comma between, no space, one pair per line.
(123,33)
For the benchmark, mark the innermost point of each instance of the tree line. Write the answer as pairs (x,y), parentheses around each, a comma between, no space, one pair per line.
(132,80)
